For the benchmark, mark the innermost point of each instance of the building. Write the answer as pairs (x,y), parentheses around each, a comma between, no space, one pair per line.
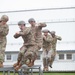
(60,17)
(65,57)
(64,61)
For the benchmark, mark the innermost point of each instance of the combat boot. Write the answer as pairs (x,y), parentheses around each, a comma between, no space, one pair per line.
(1,64)
(44,64)
(18,67)
(50,66)
(50,63)
(46,68)
(16,64)
(32,59)
(31,64)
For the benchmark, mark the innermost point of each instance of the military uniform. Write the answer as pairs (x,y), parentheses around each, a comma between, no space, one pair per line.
(47,47)
(28,47)
(36,30)
(38,34)
(27,40)
(4,29)
(54,42)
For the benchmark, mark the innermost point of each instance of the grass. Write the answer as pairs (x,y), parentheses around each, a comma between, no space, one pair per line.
(59,73)
(1,73)
(45,73)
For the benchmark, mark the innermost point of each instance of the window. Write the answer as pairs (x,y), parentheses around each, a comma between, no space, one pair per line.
(65,56)
(8,57)
(69,56)
(61,56)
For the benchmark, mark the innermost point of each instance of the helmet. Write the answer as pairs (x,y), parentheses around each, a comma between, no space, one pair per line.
(45,30)
(21,23)
(52,32)
(4,18)
(31,19)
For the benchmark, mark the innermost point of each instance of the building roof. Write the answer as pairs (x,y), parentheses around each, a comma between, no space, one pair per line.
(60,47)
(65,46)
(13,47)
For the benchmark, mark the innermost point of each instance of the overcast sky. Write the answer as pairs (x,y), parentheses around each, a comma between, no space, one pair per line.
(12,5)
(65,30)
(6,5)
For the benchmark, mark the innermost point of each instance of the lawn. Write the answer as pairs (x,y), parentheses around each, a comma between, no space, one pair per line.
(46,73)
(59,73)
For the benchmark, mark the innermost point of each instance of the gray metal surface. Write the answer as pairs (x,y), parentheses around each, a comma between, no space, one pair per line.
(8,69)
